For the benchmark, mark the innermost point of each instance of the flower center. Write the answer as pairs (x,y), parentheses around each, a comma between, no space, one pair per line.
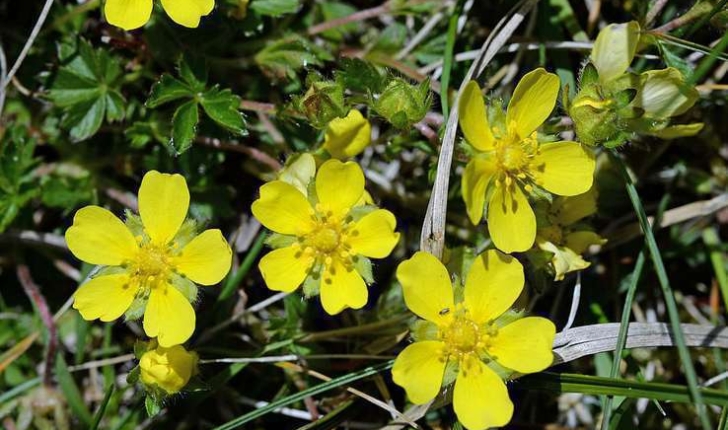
(464,337)
(151,266)
(325,239)
(514,154)
(329,239)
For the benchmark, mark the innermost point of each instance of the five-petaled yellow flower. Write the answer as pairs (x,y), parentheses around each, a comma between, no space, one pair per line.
(168,369)
(131,14)
(510,160)
(328,235)
(151,266)
(477,336)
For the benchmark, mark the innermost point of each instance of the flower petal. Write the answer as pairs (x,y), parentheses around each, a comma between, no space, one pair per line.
(163,203)
(299,171)
(427,286)
(532,101)
(105,297)
(206,259)
(98,237)
(347,137)
(476,177)
(474,119)
(339,185)
(375,236)
(664,93)
(511,221)
(419,369)
(564,168)
(525,345)
(342,288)
(284,269)
(568,210)
(128,14)
(580,241)
(493,284)
(614,49)
(283,209)
(188,12)
(169,316)
(480,398)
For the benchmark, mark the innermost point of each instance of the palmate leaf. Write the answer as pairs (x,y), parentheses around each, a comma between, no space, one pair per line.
(86,87)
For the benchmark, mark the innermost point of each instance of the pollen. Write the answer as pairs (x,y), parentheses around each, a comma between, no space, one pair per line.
(152,266)
(328,240)
(463,337)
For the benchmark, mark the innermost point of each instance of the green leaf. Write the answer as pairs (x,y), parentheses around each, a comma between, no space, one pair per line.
(184,126)
(283,57)
(86,87)
(274,8)
(335,10)
(361,76)
(167,89)
(193,70)
(222,107)
(152,406)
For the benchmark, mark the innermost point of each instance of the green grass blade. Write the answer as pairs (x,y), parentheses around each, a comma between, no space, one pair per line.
(70,390)
(596,385)
(312,391)
(707,63)
(447,60)
(712,241)
(331,420)
(670,304)
(18,390)
(234,280)
(99,415)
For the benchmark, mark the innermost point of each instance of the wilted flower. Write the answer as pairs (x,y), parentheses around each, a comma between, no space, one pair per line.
(152,264)
(478,339)
(131,14)
(510,160)
(168,369)
(561,233)
(324,238)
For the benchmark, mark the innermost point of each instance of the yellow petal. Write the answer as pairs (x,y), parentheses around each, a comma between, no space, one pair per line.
(511,221)
(565,260)
(492,286)
(283,209)
(106,297)
(163,203)
(427,286)
(98,237)
(169,316)
(525,345)
(614,49)
(373,235)
(568,210)
(476,177)
(299,171)
(480,398)
(188,12)
(532,102)
(419,369)
(339,185)
(128,14)
(206,259)
(564,168)
(284,269)
(168,368)
(347,137)
(342,288)
(473,118)
(580,241)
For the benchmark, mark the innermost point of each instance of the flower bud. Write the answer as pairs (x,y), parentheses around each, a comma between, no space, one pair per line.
(168,369)
(403,104)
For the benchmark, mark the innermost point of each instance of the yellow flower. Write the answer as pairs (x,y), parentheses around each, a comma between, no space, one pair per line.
(477,336)
(510,160)
(564,238)
(151,266)
(168,369)
(299,171)
(131,14)
(328,237)
(347,137)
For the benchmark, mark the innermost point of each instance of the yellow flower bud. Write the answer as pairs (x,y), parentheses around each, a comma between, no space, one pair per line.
(168,368)
(347,137)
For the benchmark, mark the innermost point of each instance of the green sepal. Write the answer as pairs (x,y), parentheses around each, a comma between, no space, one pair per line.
(133,376)
(363,266)
(277,240)
(312,283)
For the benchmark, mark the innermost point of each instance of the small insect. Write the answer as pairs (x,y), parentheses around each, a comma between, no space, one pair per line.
(445,311)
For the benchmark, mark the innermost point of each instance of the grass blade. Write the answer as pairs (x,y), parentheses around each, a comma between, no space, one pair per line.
(70,390)
(670,304)
(102,408)
(312,391)
(234,280)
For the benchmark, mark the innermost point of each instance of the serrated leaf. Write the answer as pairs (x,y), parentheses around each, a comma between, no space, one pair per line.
(274,8)
(85,118)
(167,89)
(193,71)
(335,10)
(184,126)
(222,107)
(361,76)
(282,58)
